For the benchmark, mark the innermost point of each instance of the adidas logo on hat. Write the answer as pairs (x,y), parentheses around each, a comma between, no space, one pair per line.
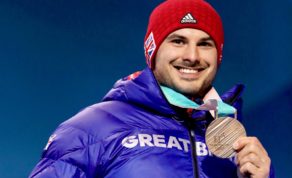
(188,19)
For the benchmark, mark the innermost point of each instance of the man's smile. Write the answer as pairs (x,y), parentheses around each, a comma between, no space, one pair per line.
(189,72)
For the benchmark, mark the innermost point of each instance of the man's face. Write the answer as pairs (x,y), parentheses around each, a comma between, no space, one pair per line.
(186,61)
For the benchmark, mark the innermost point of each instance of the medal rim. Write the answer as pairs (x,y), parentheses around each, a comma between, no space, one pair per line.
(213,149)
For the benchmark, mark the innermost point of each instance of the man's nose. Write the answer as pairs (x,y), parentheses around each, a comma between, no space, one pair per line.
(191,53)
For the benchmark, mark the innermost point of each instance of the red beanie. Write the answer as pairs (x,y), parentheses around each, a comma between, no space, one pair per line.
(172,15)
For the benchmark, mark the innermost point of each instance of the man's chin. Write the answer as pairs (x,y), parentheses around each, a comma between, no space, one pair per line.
(193,91)
(189,91)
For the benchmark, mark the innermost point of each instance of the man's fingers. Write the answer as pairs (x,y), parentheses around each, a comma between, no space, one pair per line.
(245,141)
(252,158)
(248,169)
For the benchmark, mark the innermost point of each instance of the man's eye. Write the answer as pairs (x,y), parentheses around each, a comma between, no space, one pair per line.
(205,43)
(178,41)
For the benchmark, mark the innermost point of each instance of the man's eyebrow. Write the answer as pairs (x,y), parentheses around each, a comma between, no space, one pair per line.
(172,36)
(207,39)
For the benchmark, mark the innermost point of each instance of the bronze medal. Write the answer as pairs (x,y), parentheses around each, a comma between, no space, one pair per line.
(221,134)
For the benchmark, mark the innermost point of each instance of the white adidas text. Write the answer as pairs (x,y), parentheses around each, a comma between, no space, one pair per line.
(188,18)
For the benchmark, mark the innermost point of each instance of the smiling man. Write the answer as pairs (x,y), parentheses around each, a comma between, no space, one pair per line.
(142,129)
(187,62)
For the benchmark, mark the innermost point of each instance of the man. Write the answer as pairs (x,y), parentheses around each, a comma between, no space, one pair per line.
(137,131)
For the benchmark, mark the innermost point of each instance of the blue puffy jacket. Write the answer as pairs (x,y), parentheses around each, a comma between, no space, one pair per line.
(135,133)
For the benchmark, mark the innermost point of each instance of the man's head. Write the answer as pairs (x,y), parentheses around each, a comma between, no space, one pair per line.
(183,45)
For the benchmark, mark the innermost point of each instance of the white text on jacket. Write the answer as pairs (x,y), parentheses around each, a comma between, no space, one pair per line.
(160,141)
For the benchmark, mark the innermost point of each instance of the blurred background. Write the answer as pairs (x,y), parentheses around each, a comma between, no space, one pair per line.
(59,56)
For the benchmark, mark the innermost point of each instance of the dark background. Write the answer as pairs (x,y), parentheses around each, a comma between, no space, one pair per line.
(59,56)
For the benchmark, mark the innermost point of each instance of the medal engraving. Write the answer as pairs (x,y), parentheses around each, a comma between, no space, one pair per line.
(221,134)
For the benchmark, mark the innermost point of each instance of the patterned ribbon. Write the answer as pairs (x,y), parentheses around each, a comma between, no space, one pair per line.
(221,109)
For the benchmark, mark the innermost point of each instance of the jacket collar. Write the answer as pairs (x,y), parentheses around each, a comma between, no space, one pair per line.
(144,91)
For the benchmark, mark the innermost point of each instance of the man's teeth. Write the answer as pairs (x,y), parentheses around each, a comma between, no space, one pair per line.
(188,71)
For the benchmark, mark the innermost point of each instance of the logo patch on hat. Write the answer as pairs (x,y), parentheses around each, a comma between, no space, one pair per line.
(188,18)
(149,47)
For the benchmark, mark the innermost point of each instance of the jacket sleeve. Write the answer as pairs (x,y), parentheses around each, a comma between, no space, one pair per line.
(70,153)
(48,168)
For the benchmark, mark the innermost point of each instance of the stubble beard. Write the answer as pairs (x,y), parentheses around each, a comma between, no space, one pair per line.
(194,90)
(197,91)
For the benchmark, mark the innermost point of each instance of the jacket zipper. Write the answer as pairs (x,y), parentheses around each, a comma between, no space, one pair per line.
(193,148)
(192,137)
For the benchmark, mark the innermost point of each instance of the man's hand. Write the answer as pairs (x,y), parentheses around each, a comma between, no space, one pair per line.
(252,158)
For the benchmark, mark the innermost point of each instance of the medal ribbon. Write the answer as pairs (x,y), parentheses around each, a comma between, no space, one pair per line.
(179,100)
